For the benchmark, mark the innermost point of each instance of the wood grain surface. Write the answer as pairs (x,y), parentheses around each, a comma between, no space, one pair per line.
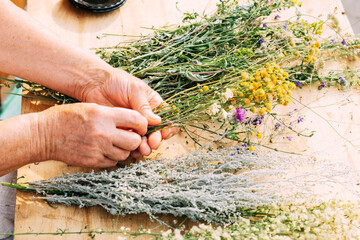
(333,114)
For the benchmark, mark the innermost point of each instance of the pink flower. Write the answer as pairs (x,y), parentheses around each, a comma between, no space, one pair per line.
(239,114)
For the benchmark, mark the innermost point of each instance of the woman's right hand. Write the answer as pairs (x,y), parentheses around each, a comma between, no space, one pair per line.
(89,135)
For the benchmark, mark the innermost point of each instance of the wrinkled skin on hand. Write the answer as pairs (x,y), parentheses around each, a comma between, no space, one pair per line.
(90,135)
(121,89)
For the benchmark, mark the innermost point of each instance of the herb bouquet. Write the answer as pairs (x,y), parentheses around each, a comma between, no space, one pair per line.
(232,68)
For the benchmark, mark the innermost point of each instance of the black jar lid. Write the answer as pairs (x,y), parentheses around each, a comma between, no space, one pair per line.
(99,6)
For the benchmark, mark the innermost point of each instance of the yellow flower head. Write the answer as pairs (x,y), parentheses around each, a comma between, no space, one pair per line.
(262,111)
(285,75)
(268,105)
(252,148)
(246,102)
(244,75)
(260,92)
(259,135)
(205,88)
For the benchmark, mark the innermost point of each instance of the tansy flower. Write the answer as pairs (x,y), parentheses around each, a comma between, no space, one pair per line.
(205,88)
(252,148)
(262,111)
(259,135)
(244,75)
(246,102)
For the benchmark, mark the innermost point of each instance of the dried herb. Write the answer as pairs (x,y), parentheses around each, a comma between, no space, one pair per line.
(218,187)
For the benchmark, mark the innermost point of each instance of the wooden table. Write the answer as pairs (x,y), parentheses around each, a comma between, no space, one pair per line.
(81,28)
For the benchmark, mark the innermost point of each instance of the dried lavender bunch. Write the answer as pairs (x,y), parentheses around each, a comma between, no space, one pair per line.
(218,187)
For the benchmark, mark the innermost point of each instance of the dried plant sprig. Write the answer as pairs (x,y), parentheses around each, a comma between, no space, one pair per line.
(218,187)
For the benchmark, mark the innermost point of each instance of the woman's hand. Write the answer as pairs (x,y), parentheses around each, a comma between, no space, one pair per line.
(90,135)
(48,60)
(120,88)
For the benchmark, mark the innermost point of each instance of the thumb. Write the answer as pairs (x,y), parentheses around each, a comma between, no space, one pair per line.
(141,104)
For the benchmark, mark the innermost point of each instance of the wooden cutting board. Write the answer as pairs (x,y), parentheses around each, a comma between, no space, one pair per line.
(334,115)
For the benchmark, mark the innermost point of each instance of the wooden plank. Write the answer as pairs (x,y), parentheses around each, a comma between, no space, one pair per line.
(81,28)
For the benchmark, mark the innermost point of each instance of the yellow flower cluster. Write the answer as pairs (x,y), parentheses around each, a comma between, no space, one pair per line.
(260,90)
(313,51)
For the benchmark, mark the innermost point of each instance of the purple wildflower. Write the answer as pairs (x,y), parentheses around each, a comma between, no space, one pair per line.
(277,126)
(239,114)
(258,120)
(289,138)
(265,25)
(322,85)
(300,119)
(244,145)
(298,84)
(195,62)
(292,112)
(343,42)
(277,17)
(342,81)
(285,27)
(261,41)
(332,40)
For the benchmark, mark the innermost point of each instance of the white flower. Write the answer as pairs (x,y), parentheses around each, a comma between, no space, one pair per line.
(228,94)
(214,109)
(178,235)
(166,234)
(224,114)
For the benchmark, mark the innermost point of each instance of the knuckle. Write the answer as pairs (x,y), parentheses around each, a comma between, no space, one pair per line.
(134,141)
(92,110)
(137,120)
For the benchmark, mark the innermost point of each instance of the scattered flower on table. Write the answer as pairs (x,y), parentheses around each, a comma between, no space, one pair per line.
(342,81)
(277,126)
